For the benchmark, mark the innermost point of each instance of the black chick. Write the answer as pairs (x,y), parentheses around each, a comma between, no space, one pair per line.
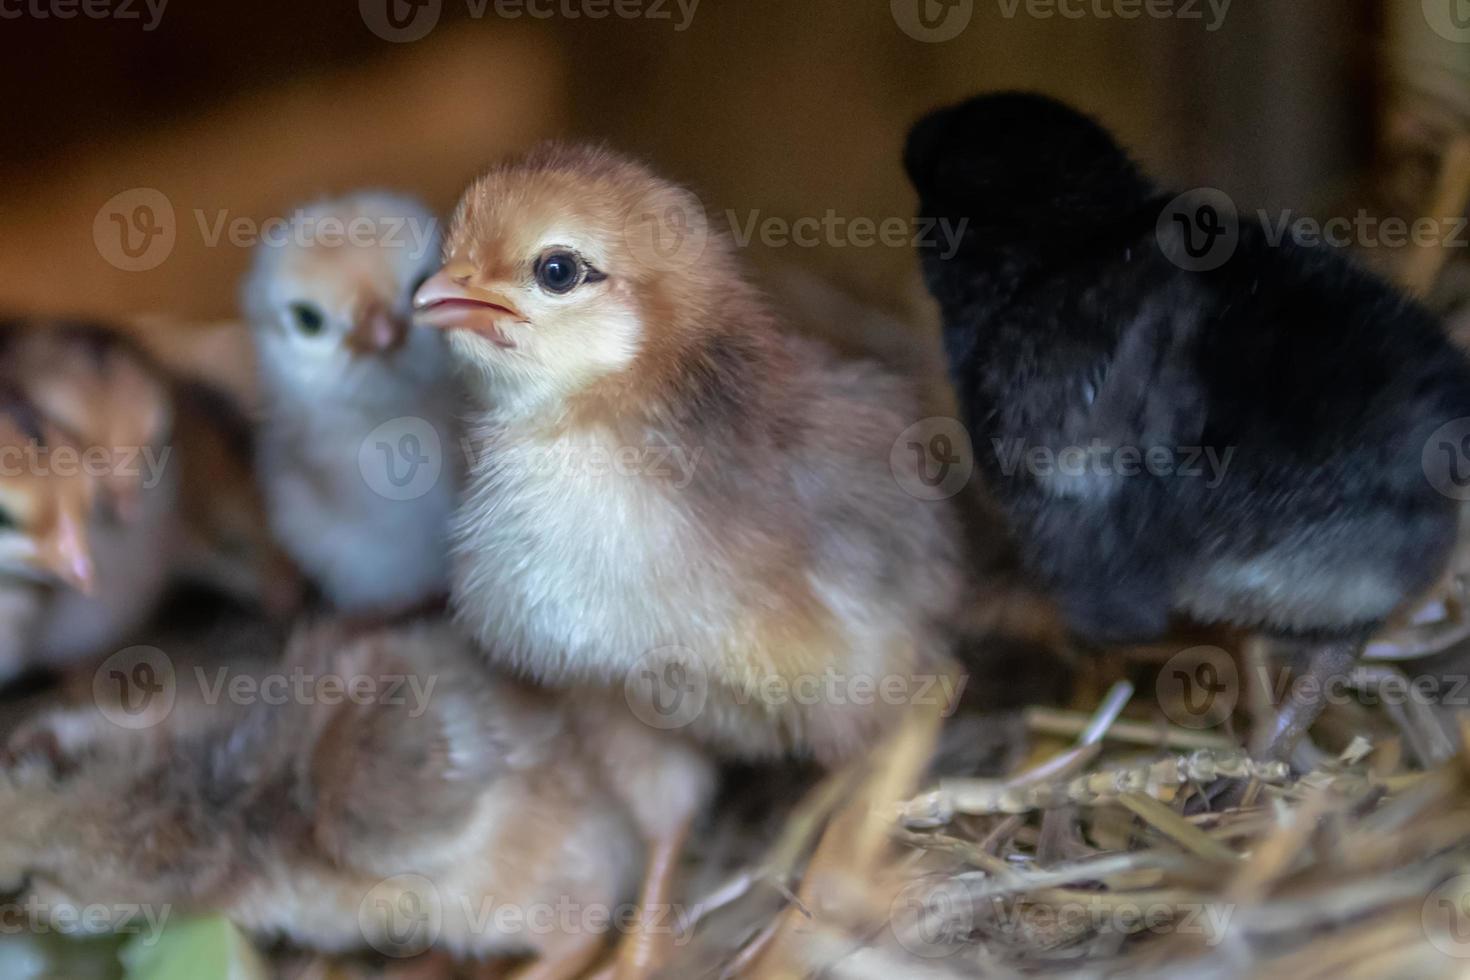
(1315,385)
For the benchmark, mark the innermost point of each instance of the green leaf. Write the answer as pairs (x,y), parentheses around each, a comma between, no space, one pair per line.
(208,948)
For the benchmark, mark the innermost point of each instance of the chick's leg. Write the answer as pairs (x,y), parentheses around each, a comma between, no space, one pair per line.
(665,783)
(648,947)
(565,962)
(1326,670)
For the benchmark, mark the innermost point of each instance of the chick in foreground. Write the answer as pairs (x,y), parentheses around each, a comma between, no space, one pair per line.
(401,798)
(358,402)
(672,498)
(753,528)
(1070,329)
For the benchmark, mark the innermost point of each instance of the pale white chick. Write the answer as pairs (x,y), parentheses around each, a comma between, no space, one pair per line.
(354,399)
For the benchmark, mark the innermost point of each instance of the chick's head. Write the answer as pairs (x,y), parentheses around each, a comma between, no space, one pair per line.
(46,499)
(329,297)
(572,266)
(105,393)
(1012,181)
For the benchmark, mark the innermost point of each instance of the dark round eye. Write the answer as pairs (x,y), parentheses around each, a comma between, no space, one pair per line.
(559,272)
(308,319)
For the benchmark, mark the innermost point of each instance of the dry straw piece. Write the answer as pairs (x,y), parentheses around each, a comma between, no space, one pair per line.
(1352,870)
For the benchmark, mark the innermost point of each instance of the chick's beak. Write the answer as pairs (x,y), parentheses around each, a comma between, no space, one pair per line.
(68,558)
(377,331)
(451,300)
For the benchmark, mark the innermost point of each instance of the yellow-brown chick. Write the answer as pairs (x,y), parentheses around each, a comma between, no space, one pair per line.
(400,797)
(672,499)
(665,481)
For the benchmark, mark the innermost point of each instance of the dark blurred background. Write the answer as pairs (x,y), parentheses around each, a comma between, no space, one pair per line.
(782,108)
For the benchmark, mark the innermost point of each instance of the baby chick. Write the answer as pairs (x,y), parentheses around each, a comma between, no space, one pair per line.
(666,485)
(44,518)
(147,471)
(659,466)
(96,384)
(359,407)
(1070,330)
(112,418)
(72,581)
(400,797)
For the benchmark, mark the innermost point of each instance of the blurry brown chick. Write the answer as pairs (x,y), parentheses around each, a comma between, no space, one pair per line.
(97,386)
(666,485)
(111,415)
(171,496)
(412,814)
(44,520)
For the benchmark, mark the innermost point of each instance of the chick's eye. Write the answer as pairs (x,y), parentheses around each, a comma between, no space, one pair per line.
(307,319)
(559,272)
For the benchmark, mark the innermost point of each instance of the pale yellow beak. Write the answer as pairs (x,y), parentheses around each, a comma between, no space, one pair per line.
(68,558)
(450,300)
(377,331)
